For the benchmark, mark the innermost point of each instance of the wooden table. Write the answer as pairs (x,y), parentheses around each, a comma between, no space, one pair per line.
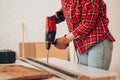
(23,71)
(84,72)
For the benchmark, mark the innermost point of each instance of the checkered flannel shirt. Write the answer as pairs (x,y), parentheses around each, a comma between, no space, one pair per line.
(87,21)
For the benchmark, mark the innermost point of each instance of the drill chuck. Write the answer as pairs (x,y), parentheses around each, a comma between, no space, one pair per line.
(48,45)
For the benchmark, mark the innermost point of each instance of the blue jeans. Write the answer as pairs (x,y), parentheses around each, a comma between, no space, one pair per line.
(98,56)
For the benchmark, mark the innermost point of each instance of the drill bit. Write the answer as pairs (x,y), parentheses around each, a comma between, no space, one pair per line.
(47,56)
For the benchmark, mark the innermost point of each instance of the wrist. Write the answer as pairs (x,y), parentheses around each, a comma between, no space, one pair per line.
(70,36)
(66,39)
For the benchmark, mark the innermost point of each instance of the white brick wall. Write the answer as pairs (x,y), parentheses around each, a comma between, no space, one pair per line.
(33,13)
(114,16)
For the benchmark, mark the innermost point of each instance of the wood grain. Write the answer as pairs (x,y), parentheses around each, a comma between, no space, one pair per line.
(19,72)
(38,50)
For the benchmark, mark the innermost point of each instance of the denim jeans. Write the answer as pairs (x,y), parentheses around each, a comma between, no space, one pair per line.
(98,56)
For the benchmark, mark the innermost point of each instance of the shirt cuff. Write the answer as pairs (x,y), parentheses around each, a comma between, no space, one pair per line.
(70,36)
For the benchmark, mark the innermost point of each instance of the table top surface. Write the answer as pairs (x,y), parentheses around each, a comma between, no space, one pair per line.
(84,70)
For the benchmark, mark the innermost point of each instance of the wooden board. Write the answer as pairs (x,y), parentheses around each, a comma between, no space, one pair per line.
(71,71)
(38,50)
(83,72)
(19,72)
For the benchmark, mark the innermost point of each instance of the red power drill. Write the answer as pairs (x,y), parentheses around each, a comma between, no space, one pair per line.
(51,29)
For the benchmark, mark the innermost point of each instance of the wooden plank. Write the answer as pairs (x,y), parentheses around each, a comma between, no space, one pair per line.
(84,72)
(18,72)
(23,26)
(38,50)
(53,52)
(112,78)
(105,78)
(55,72)
(29,50)
(62,72)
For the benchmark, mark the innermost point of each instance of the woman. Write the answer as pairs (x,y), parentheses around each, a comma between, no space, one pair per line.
(88,26)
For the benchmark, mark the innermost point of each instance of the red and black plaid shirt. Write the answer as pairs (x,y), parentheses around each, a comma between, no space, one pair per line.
(87,20)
